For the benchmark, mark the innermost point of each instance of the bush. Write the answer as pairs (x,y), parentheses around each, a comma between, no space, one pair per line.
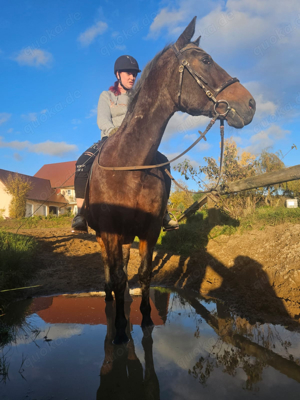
(17,187)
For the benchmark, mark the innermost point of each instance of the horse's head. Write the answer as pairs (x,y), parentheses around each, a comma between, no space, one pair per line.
(203,87)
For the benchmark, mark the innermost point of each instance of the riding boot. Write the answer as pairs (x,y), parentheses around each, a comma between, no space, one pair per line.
(168,223)
(79,224)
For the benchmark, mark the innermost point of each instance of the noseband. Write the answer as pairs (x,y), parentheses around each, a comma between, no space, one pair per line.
(210,93)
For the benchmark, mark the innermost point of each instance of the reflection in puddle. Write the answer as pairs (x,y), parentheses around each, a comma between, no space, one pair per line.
(62,349)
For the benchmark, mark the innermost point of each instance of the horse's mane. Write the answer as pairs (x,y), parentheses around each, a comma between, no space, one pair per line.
(136,91)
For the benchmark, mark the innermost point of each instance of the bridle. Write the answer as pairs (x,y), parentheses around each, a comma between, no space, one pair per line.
(210,93)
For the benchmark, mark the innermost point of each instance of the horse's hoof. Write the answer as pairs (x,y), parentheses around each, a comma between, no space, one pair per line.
(121,339)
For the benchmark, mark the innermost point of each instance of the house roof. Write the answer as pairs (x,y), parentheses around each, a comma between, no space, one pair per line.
(41,189)
(59,174)
(86,310)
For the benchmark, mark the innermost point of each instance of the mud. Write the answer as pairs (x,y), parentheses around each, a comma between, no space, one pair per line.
(256,274)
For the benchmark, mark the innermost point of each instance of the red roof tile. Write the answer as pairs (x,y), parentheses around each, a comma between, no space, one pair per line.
(59,174)
(41,189)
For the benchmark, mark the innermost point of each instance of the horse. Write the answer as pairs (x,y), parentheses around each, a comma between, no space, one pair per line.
(123,204)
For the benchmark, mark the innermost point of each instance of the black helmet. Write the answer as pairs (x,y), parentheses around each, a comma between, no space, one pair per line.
(125,63)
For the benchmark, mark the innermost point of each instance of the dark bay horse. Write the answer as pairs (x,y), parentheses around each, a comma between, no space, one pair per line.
(125,204)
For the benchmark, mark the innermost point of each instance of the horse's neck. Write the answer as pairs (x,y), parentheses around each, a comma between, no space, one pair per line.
(143,128)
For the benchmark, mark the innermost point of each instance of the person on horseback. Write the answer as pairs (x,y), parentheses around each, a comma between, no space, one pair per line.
(112,107)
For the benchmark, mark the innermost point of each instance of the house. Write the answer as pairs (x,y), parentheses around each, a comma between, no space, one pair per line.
(42,199)
(61,177)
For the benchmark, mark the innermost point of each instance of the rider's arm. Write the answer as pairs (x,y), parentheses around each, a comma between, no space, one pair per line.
(104,119)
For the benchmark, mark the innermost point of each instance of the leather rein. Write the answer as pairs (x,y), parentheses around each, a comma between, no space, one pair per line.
(210,93)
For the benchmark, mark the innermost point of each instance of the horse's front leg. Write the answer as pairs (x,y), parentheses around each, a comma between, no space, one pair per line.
(115,279)
(108,283)
(151,383)
(145,272)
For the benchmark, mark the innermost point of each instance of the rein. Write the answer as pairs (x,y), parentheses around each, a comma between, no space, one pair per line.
(211,94)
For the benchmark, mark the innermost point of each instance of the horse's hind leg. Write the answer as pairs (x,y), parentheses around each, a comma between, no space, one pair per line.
(145,271)
(126,256)
(108,283)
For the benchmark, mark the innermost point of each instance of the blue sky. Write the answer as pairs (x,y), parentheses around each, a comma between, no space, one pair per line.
(57,57)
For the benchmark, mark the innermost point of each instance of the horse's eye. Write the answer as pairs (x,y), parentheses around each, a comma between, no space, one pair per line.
(206,60)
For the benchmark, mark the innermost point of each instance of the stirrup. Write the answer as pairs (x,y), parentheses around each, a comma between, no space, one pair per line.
(168,223)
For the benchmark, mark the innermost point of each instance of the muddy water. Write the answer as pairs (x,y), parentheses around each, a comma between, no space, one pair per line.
(62,349)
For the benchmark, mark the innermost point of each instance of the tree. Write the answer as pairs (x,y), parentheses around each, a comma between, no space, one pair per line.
(180,199)
(269,162)
(18,187)
(235,167)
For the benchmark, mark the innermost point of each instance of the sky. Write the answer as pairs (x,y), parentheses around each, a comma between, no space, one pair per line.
(57,57)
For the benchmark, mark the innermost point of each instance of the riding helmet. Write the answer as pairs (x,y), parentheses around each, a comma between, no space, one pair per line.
(125,63)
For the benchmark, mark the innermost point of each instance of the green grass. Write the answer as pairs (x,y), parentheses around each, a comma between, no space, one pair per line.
(268,216)
(16,263)
(51,221)
(194,234)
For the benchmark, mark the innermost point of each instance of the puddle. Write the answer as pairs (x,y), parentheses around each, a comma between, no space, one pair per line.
(61,349)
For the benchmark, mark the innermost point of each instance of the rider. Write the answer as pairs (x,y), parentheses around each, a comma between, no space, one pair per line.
(112,107)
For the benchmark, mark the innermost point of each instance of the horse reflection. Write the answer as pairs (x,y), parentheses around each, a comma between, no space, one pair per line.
(122,375)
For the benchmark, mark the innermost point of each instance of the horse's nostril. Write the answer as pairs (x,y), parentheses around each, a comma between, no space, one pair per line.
(252,104)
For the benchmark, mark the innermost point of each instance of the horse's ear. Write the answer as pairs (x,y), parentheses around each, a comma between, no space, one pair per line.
(186,35)
(197,41)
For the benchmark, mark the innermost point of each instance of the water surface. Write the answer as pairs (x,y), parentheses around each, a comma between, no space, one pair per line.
(62,349)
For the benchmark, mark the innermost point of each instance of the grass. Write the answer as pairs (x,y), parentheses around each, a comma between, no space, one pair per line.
(193,234)
(268,216)
(16,263)
(51,221)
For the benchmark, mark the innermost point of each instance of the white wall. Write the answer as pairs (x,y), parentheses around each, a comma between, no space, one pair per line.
(5,200)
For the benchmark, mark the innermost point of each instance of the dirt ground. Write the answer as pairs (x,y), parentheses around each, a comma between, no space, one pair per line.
(256,274)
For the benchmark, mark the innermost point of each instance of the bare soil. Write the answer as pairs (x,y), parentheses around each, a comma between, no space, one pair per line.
(256,273)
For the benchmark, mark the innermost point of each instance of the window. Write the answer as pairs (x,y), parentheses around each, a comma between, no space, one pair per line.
(53,210)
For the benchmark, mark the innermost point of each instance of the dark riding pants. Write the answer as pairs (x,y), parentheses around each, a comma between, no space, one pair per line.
(85,161)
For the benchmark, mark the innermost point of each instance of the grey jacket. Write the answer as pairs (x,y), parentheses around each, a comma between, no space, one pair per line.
(111,111)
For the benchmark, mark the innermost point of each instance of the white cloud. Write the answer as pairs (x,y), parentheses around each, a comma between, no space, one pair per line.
(266,138)
(201,146)
(255,20)
(33,116)
(57,149)
(30,116)
(182,123)
(168,19)
(237,139)
(10,130)
(192,162)
(4,117)
(264,105)
(34,57)
(17,157)
(75,121)
(120,47)
(90,34)
(92,113)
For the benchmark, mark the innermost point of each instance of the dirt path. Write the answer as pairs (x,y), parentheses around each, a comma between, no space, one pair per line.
(257,273)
